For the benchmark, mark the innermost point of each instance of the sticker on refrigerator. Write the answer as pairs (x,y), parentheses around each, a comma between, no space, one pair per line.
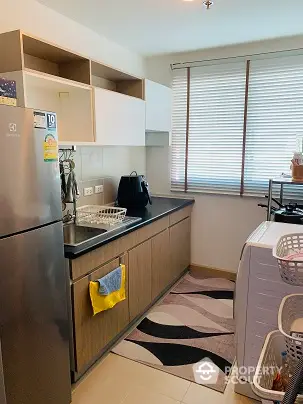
(50,148)
(51,121)
(39,120)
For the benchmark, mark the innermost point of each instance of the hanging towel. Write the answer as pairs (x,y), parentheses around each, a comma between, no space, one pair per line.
(105,302)
(111,282)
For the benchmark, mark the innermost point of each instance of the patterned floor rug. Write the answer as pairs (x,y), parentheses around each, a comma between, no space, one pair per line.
(193,322)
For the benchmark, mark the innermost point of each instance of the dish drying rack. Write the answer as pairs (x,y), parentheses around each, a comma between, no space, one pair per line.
(291,308)
(97,214)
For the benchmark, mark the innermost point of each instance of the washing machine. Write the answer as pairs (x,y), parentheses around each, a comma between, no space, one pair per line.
(258,294)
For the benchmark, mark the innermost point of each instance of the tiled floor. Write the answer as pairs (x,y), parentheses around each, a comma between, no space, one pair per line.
(118,380)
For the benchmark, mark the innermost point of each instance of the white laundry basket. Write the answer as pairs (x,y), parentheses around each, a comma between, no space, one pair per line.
(270,360)
(291,271)
(291,309)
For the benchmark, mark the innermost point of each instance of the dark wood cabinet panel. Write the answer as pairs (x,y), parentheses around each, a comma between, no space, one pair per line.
(93,333)
(162,275)
(180,246)
(139,278)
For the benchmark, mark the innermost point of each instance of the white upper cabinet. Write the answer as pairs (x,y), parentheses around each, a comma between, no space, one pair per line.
(119,119)
(158,107)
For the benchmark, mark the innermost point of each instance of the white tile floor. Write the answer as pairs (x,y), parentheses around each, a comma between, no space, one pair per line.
(117,380)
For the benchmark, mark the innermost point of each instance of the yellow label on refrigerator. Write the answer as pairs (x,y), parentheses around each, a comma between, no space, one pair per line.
(50,148)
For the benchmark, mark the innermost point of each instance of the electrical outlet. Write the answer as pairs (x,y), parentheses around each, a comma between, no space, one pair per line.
(98,189)
(88,191)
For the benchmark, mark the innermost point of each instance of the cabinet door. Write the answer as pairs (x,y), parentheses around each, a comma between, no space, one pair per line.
(119,118)
(139,278)
(180,246)
(158,107)
(93,333)
(161,269)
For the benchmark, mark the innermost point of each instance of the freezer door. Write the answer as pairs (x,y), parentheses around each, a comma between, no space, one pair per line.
(30,193)
(34,328)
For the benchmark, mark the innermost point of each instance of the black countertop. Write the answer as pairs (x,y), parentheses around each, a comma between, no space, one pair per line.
(161,207)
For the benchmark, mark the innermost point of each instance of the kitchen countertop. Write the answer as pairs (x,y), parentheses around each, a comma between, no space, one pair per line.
(161,207)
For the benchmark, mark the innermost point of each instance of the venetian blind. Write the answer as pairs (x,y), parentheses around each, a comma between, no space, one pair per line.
(214,131)
(274,119)
(179,117)
(217,147)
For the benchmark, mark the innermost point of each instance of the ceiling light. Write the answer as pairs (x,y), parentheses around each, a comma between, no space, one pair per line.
(208,4)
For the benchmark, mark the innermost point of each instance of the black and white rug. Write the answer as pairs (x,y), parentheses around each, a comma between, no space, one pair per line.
(193,322)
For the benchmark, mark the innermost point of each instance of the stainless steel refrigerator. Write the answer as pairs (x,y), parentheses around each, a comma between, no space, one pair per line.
(34,332)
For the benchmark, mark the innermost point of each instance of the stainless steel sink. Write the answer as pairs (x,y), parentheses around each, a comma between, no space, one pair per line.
(74,234)
(78,233)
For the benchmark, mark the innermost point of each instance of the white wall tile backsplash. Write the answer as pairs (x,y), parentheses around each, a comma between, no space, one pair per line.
(118,161)
(111,162)
(91,162)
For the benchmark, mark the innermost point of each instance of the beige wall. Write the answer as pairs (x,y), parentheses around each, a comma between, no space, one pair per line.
(36,19)
(220,224)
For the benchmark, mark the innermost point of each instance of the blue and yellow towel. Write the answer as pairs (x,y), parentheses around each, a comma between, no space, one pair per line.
(111,282)
(106,302)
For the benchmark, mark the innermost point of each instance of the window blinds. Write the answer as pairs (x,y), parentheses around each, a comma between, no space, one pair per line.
(274,120)
(215,131)
(179,118)
(216,128)
(214,148)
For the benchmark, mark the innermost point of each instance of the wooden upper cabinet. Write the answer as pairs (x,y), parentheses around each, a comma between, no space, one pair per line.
(73,105)
(53,79)
(93,333)
(27,52)
(180,246)
(140,293)
(11,47)
(158,107)
(119,119)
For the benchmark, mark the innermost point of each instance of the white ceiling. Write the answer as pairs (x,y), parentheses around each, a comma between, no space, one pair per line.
(159,26)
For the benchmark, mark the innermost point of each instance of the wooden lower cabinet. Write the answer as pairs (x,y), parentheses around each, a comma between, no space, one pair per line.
(93,333)
(180,246)
(140,293)
(162,275)
(161,253)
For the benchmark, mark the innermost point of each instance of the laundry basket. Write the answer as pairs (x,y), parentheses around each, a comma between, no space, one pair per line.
(269,363)
(291,310)
(291,270)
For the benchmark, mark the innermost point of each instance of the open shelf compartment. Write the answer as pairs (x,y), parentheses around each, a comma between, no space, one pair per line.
(46,58)
(103,76)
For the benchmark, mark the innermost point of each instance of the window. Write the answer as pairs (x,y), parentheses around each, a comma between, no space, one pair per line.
(235,124)
(274,119)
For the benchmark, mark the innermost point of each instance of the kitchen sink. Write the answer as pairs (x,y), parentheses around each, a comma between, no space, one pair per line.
(78,233)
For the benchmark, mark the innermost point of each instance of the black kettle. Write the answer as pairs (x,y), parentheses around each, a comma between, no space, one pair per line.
(133,191)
